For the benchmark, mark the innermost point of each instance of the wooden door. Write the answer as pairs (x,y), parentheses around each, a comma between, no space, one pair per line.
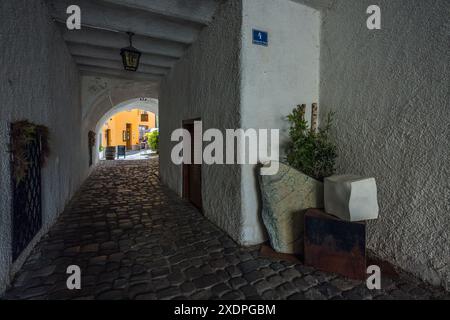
(129,136)
(192,175)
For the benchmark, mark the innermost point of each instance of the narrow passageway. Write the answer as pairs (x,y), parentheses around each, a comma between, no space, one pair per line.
(135,239)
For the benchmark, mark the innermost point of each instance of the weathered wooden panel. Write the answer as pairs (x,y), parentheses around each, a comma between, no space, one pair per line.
(334,245)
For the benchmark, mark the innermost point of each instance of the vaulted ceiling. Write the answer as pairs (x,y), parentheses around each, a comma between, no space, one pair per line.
(163,30)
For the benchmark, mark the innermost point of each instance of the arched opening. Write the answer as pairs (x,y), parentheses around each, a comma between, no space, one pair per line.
(126,127)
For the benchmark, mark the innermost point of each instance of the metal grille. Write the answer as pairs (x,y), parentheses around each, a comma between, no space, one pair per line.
(27,201)
(90,156)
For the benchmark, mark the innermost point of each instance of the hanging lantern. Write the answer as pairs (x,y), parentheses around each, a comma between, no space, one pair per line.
(130,55)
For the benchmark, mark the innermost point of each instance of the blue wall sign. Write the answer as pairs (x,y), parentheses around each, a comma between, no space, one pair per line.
(260,37)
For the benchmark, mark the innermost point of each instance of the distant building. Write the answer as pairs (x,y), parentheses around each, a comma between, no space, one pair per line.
(127,128)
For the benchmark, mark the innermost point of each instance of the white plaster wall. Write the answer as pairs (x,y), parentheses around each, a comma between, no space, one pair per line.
(205,84)
(229,88)
(389,89)
(275,79)
(101,94)
(39,82)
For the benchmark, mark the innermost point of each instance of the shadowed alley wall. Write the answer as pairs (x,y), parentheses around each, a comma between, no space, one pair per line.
(389,89)
(231,83)
(275,79)
(205,84)
(39,82)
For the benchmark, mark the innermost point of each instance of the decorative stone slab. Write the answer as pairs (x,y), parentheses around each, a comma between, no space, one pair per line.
(285,198)
(351,198)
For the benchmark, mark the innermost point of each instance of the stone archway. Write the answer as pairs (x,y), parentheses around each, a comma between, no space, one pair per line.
(103,97)
(146,104)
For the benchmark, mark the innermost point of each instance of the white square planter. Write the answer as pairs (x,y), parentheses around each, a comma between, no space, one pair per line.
(351,198)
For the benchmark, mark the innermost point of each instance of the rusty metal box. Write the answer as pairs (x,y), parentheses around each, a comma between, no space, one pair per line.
(334,245)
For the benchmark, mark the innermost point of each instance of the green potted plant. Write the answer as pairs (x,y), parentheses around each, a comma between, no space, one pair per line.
(298,185)
(309,150)
(153,140)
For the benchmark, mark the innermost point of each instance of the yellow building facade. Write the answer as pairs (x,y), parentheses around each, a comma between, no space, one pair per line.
(127,128)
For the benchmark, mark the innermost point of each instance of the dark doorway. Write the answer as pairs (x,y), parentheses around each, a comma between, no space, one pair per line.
(192,173)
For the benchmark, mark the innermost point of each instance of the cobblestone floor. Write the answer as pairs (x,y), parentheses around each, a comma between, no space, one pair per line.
(135,239)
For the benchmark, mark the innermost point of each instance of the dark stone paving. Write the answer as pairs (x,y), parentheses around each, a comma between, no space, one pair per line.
(135,239)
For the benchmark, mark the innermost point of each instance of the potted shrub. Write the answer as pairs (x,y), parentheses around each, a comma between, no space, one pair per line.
(310,151)
(298,186)
(153,140)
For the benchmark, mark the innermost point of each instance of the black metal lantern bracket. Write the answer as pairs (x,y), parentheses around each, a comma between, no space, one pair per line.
(130,55)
